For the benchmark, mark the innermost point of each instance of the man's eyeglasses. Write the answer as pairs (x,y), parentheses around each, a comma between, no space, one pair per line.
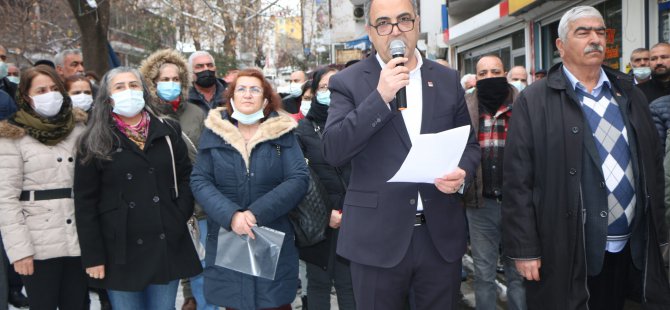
(255,91)
(385,28)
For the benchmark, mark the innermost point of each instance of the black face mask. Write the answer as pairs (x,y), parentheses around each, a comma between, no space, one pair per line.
(205,78)
(492,93)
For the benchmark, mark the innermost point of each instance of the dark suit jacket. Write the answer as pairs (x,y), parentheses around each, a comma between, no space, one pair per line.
(378,217)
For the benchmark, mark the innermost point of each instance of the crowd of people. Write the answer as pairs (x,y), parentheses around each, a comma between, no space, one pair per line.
(102,176)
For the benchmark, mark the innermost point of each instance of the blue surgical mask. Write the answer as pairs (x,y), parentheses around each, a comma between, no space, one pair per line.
(519,85)
(247,119)
(128,103)
(168,90)
(304,106)
(3,69)
(323,97)
(470,91)
(642,73)
(295,89)
(14,79)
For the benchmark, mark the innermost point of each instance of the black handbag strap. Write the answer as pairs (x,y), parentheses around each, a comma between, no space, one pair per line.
(338,171)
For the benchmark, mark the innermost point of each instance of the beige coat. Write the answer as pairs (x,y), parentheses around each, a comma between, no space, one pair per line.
(44,229)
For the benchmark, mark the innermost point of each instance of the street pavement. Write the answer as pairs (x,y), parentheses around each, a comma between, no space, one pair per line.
(467,302)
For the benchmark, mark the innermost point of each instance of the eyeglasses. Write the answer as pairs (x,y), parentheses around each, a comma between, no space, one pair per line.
(385,28)
(254,90)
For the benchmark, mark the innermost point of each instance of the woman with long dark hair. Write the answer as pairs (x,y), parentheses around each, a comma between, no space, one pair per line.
(132,197)
(325,268)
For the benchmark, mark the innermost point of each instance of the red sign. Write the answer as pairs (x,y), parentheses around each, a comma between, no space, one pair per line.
(609,35)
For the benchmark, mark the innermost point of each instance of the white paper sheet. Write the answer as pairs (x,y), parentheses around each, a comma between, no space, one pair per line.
(433,155)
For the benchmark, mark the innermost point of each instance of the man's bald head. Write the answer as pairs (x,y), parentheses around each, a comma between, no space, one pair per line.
(298,77)
(490,66)
(518,73)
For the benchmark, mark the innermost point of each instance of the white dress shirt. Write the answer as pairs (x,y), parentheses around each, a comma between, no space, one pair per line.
(412,115)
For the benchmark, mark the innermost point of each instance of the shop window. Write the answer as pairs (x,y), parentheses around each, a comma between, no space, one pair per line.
(664,20)
(611,12)
(550,55)
(520,61)
(518,40)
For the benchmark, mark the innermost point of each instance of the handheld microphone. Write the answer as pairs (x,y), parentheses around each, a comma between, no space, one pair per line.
(397,48)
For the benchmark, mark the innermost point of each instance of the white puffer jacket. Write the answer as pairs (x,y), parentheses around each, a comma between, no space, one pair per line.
(45,228)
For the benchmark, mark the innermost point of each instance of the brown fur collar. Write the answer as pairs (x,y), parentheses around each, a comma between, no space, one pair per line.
(150,70)
(80,116)
(12,131)
(272,128)
(8,130)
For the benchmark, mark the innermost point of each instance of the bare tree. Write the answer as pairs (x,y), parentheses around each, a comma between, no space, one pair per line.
(93,26)
(31,29)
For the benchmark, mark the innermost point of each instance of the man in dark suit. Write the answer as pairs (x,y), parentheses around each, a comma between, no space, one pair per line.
(403,239)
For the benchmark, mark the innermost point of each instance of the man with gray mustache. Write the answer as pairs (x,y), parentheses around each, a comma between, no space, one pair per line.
(583,211)
(659,85)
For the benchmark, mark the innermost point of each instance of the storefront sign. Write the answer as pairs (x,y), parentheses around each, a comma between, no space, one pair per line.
(517,5)
(612,50)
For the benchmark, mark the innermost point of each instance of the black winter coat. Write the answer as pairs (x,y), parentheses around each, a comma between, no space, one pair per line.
(660,112)
(128,217)
(654,89)
(198,99)
(9,87)
(542,213)
(321,254)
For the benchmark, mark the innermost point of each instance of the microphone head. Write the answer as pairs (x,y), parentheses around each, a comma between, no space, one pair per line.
(397,48)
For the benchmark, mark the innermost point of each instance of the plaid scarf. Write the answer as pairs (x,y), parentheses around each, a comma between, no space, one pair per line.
(492,135)
(136,133)
(49,131)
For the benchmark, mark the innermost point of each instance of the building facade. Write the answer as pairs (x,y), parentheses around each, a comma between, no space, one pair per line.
(523,32)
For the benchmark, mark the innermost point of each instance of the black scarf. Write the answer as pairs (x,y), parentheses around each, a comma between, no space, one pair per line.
(317,112)
(492,93)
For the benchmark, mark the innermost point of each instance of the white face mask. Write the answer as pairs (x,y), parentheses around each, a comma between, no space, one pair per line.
(247,119)
(48,105)
(519,85)
(128,102)
(304,106)
(82,101)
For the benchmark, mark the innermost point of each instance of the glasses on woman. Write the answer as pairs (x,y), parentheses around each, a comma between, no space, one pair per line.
(385,27)
(254,90)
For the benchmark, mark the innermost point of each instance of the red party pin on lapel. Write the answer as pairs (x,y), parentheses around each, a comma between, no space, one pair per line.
(430,84)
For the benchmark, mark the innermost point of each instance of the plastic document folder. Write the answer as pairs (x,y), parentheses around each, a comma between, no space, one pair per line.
(257,257)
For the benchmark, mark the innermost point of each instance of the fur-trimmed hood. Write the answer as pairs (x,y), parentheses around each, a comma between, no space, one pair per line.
(150,70)
(272,128)
(9,130)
